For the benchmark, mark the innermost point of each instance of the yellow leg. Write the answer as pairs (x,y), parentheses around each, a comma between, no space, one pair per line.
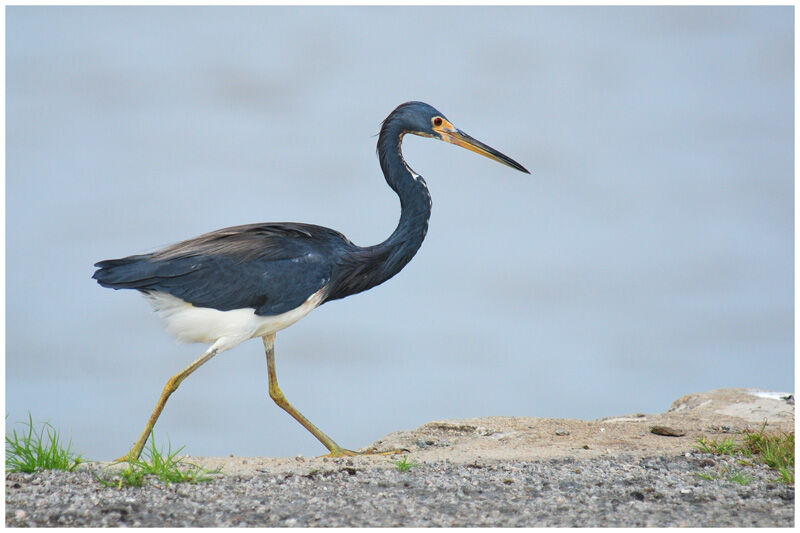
(172,386)
(277,395)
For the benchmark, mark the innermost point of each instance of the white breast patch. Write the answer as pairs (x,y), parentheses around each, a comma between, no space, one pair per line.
(188,323)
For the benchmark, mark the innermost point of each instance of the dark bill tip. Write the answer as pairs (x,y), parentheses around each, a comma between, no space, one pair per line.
(460,138)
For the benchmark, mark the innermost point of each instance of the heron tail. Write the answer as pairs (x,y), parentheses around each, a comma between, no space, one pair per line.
(133,272)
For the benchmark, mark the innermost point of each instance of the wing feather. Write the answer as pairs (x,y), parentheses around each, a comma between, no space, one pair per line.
(271,268)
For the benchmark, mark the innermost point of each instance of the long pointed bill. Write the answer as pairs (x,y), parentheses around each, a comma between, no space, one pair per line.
(459,138)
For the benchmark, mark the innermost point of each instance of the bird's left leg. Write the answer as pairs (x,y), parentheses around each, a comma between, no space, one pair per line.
(171,386)
(277,395)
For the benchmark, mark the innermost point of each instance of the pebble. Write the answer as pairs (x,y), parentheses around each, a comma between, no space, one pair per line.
(667,431)
(623,491)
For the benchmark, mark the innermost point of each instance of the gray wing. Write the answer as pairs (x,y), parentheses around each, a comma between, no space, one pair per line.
(271,268)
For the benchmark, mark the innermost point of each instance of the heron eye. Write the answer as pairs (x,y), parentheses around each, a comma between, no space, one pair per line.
(437,121)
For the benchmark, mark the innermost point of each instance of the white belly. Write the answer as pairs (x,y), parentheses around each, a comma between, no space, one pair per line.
(228,328)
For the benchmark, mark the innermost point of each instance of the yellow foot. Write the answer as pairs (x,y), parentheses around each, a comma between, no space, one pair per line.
(389,452)
(125,458)
(342,452)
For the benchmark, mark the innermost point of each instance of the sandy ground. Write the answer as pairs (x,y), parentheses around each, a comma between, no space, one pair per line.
(713,414)
(637,470)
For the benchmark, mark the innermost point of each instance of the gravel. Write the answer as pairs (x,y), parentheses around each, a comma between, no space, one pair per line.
(619,491)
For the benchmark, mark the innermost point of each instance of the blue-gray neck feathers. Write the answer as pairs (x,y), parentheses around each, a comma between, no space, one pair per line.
(367,267)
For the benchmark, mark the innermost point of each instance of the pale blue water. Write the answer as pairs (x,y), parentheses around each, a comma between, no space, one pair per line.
(649,255)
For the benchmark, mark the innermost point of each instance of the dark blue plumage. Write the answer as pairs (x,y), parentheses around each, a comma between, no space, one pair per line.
(275,267)
(238,283)
(270,268)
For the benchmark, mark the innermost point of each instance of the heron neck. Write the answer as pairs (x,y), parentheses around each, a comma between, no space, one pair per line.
(367,267)
(415,204)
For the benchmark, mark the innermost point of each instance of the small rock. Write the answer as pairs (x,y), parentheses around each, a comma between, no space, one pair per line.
(585,446)
(561,432)
(667,431)
(20,514)
(722,429)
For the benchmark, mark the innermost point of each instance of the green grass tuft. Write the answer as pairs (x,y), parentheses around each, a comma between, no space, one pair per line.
(776,450)
(163,466)
(722,447)
(738,477)
(404,465)
(33,450)
(733,475)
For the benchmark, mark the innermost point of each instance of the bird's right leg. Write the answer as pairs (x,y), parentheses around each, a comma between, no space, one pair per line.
(172,386)
(277,395)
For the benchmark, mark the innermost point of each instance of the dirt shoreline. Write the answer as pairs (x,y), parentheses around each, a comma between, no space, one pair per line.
(713,414)
(496,471)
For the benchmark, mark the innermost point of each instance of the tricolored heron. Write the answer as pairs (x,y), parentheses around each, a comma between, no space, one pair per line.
(238,283)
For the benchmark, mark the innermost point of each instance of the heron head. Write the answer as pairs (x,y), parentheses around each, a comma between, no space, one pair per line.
(422,119)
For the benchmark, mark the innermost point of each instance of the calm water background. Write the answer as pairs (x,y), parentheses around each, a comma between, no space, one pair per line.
(649,255)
